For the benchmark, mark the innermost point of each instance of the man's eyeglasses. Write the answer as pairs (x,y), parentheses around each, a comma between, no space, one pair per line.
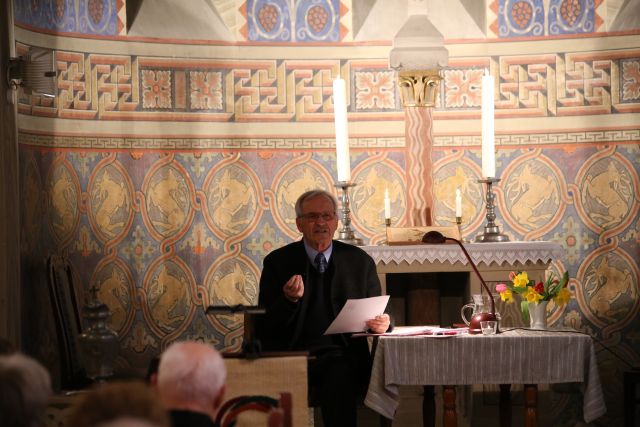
(315,216)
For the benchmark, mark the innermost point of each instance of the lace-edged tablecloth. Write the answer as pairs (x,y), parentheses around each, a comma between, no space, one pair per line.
(482,253)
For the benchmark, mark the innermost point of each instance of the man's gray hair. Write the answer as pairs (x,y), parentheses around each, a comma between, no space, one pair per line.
(310,195)
(191,372)
(25,389)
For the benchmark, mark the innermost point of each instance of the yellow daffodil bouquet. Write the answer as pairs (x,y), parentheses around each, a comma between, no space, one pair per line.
(530,291)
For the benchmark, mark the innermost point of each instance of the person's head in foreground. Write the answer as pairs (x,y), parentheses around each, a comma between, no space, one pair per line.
(191,377)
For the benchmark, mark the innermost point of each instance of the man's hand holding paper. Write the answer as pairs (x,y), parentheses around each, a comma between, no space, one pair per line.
(379,324)
(361,314)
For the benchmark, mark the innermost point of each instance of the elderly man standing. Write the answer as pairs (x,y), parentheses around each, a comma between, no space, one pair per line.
(303,287)
(190,382)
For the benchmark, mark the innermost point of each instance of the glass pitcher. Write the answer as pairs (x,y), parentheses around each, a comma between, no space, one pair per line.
(481,304)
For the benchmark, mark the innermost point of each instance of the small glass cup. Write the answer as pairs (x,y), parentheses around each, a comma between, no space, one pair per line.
(489,327)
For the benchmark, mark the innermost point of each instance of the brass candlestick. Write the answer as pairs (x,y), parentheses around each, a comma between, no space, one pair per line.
(491,230)
(346,234)
(387,224)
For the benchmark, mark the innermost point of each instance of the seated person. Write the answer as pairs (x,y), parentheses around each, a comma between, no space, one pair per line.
(190,382)
(25,389)
(303,287)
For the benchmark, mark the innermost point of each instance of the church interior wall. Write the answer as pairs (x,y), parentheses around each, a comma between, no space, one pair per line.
(167,167)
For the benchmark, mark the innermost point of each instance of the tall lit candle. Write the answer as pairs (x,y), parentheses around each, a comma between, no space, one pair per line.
(458,203)
(387,204)
(342,131)
(488,131)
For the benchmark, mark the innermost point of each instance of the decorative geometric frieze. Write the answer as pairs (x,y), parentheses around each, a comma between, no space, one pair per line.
(123,87)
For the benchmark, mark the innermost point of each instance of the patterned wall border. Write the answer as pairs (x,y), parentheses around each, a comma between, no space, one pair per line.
(188,144)
(125,87)
(26,137)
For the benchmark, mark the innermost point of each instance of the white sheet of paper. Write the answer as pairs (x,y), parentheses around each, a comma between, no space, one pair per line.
(355,313)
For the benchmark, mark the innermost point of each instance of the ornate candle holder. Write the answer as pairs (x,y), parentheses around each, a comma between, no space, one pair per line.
(346,234)
(459,224)
(387,224)
(491,230)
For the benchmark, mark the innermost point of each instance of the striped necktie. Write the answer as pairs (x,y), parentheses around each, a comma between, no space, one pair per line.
(321,262)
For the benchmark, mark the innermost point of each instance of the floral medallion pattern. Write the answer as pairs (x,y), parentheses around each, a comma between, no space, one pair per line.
(571,16)
(317,20)
(94,17)
(269,20)
(375,90)
(463,88)
(630,70)
(293,20)
(519,18)
(156,89)
(206,90)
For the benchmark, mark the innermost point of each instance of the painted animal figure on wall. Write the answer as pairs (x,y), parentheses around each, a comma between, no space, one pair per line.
(230,197)
(110,197)
(168,198)
(235,288)
(171,293)
(113,293)
(610,285)
(369,201)
(62,198)
(530,193)
(610,190)
(291,190)
(444,192)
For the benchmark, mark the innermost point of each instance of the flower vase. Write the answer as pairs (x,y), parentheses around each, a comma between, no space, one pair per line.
(538,315)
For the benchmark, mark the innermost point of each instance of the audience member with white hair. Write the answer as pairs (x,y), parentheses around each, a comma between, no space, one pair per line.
(190,382)
(25,389)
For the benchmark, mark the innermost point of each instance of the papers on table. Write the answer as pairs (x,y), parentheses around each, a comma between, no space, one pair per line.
(355,313)
(430,331)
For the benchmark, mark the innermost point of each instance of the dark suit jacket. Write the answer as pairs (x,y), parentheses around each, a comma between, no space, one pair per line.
(354,276)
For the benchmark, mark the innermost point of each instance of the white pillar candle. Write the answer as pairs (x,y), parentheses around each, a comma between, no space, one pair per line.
(458,203)
(488,143)
(342,131)
(387,204)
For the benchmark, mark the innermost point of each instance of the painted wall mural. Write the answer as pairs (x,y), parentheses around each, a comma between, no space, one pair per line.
(164,234)
(166,225)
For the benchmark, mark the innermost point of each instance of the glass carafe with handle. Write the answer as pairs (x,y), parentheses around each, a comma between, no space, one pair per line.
(480,311)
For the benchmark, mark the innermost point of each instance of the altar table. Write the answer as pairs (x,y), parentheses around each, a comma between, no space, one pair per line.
(511,357)
(494,260)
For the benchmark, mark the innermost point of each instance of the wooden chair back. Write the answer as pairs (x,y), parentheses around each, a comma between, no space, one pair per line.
(67,319)
(281,377)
